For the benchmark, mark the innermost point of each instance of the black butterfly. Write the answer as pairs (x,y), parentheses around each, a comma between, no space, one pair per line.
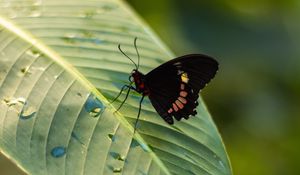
(173,87)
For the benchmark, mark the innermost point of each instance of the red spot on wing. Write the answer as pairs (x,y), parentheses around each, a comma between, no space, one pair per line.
(179,104)
(182,100)
(183,93)
(175,107)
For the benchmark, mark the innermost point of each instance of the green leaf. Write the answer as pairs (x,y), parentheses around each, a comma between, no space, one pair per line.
(60,67)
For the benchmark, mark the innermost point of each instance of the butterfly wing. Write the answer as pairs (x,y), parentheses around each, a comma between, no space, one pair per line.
(174,86)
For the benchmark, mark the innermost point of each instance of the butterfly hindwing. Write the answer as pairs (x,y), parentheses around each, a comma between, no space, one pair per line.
(174,86)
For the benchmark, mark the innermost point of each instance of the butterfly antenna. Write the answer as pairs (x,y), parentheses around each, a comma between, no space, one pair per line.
(137,52)
(119,46)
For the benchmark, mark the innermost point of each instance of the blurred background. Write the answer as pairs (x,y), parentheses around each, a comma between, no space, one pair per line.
(255,97)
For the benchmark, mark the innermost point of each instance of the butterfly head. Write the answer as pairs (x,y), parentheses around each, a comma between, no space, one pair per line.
(136,76)
(139,80)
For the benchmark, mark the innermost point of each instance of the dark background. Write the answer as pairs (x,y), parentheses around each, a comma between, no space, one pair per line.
(255,97)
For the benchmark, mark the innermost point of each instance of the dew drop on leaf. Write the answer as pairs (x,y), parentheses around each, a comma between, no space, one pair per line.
(117,156)
(33,53)
(134,143)
(97,41)
(25,70)
(117,170)
(111,137)
(27,111)
(95,112)
(14,101)
(114,155)
(58,151)
(69,38)
(121,158)
(94,106)
(27,114)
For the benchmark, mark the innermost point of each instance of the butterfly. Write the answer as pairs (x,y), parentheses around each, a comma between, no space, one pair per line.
(173,87)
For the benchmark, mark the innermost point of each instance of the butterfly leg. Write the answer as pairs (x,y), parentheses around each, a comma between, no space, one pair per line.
(122,89)
(138,116)
(129,88)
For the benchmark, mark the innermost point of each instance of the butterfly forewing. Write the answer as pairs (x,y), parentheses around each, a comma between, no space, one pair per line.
(174,86)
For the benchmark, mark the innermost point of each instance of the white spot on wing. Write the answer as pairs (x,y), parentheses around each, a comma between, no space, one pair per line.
(179,72)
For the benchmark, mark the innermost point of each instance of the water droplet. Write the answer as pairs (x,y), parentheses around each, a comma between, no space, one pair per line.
(94,107)
(69,38)
(27,112)
(20,104)
(34,53)
(114,154)
(95,112)
(121,158)
(97,41)
(111,137)
(117,170)
(14,101)
(134,143)
(58,151)
(117,156)
(25,70)
(56,76)
(79,94)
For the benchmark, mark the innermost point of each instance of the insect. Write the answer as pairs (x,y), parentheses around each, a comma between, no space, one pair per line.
(173,87)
